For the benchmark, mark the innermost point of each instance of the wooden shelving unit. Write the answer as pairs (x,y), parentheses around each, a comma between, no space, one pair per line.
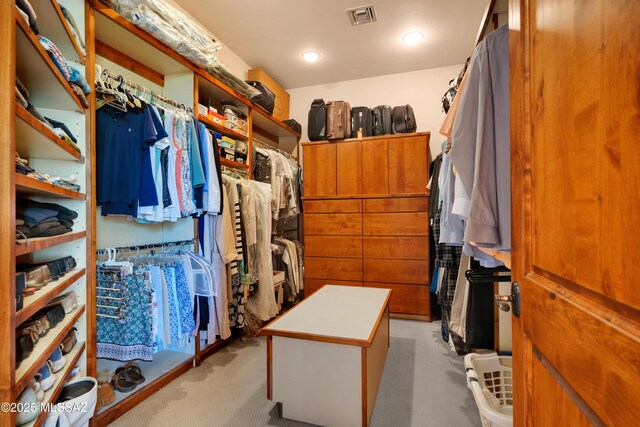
(35,140)
(221,129)
(47,89)
(43,349)
(39,243)
(42,297)
(233,164)
(54,26)
(28,186)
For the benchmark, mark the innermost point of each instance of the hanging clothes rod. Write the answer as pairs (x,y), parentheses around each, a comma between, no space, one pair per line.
(270,147)
(118,78)
(149,246)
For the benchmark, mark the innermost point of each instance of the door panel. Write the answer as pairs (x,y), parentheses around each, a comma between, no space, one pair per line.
(408,165)
(333,224)
(349,162)
(375,167)
(396,224)
(333,268)
(319,170)
(575,171)
(333,246)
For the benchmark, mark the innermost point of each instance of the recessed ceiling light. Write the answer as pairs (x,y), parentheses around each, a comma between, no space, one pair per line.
(412,37)
(311,56)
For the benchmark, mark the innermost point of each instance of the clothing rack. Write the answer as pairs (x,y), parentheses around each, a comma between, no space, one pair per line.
(270,147)
(136,86)
(151,246)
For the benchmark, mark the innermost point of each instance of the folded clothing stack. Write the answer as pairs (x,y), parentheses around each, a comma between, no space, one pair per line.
(43,219)
(22,167)
(59,128)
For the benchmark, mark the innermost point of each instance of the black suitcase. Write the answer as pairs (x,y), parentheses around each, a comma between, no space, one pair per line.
(266,99)
(293,125)
(317,125)
(361,118)
(381,116)
(404,121)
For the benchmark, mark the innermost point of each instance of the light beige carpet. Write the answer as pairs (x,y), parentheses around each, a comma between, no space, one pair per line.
(423,385)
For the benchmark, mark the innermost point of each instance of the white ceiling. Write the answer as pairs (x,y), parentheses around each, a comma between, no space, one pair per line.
(272,34)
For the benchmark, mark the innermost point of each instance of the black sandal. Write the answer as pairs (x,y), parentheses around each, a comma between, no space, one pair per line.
(121,381)
(135,373)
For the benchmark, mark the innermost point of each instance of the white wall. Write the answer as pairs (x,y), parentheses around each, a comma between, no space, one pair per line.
(421,89)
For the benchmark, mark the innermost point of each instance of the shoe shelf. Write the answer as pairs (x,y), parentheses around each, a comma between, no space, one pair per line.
(28,186)
(43,296)
(47,86)
(51,395)
(34,140)
(221,129)
(53,25)
(233,164)
(35,244)
(45,346)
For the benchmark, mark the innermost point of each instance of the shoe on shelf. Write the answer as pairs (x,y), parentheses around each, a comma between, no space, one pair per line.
(47,379)
(121,381)
(133,372)
(37,387)
(29,404)
(81,393)
(56,360)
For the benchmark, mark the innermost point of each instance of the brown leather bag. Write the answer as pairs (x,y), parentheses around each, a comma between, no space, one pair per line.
(338,120)
(106,395)
(69,341)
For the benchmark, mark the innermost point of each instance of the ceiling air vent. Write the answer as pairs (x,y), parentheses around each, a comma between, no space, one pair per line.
(362,15)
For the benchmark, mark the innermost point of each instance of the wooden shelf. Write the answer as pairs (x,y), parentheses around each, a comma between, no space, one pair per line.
(368,138)
(34,140)
(233,164)
(270,124)
(51,395)
(42,297)
(47,86)
(211,88)
(221,129)
(40,243)
(43,349)
(54,26)
(28,186)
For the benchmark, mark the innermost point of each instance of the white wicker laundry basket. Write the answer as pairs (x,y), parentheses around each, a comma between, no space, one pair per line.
(489,377)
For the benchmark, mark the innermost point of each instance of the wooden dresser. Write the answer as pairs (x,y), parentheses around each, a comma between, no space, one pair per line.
(366,220)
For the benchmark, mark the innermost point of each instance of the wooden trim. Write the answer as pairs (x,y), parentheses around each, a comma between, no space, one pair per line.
(365,398)
(250,142)
(62,379)
(221,129)
(38,126)
(134,399)
(496,319)
(47,294)
(44,353)
(114,55)
(218,84)
(270,367)
(495,21)
(26,185)
(368,138)
(367,196)
(410,317)
(45,57)
(233,164)
(67,30)
(275,120)
(7,209)
(40,243)
(380,316)
(264,133)
(486,18)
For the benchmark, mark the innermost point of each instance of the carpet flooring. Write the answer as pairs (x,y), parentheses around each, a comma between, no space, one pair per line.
(423,385)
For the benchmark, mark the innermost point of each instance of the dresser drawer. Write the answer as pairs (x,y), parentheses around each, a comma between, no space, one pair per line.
(397,204)
(333,246)
(396,224)
(406,299)
(336,224)
(397,271)
(312,285)
(333,268)
(396,247)
(333,206)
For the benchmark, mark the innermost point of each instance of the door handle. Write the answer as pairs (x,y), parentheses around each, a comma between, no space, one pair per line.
(502,301)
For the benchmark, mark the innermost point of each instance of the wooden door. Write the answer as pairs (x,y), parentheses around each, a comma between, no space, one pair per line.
(575,129)
(409,165)
(349,168)
(319,172)
(375,166)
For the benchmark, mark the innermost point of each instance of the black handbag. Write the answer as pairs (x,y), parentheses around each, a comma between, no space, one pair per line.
(266,99)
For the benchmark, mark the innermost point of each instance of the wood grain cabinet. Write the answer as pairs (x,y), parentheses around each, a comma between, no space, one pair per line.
(366,218)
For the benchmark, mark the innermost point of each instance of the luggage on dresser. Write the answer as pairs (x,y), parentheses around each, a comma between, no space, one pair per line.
(293,125)
(317,124)
(266,99)
(361,118)
(338,120)
(381,117)
(403,119)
